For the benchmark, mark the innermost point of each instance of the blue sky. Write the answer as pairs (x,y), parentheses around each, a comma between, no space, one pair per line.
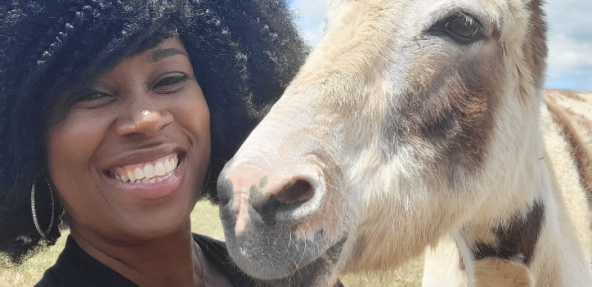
(569,38)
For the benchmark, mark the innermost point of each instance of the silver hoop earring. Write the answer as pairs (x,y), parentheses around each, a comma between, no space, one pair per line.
(33,210)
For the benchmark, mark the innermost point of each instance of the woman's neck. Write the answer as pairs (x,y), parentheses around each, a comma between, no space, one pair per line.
(172,260)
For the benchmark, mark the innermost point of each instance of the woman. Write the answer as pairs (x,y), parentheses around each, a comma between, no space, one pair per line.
(115,115)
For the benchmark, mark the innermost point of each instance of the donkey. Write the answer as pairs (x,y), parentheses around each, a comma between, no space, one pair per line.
(418,124)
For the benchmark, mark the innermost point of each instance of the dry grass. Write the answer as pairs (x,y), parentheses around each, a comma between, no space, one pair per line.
(204,220)
(407,275)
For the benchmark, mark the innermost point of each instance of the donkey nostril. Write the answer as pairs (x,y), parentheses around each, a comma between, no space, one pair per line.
(281,204)
(297,192)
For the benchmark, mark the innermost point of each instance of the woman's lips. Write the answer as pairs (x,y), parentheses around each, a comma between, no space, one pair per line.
(149,182)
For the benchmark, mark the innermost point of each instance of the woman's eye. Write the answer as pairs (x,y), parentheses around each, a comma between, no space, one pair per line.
(168,84)
(92,96)
(93,99)
(462,28)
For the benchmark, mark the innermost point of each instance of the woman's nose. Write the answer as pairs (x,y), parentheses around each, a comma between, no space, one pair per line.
(147,122)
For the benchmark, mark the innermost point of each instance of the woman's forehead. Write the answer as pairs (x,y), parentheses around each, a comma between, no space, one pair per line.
(166,48)
(169,47)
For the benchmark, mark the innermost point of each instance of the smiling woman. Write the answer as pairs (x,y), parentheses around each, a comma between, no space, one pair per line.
(117,116)
(147,111)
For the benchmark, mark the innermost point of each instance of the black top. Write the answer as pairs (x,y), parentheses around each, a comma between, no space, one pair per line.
(75,267)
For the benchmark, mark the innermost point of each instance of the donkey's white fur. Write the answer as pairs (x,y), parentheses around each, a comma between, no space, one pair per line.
(389,199)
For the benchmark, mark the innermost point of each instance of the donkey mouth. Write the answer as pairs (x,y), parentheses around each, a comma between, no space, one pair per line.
(317,272)
(287,258)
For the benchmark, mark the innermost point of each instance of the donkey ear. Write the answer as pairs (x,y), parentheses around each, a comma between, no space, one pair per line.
(336,2)
(333,7)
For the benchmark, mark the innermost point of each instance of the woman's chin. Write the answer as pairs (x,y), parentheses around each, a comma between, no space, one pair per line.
(147,230)
(158,220)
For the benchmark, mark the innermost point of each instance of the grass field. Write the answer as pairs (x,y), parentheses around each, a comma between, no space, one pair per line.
(204,220)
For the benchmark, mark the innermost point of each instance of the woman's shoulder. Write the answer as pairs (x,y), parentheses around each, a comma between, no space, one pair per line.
(209,244)
(217,255)
(74,267)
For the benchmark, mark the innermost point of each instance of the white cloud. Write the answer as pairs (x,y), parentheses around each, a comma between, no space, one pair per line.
(569,38)
(570,44)
(568,53)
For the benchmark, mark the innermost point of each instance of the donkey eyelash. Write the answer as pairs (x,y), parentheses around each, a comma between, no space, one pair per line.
(450,26)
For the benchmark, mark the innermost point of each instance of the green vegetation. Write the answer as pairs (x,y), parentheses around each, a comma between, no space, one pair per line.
(204,220)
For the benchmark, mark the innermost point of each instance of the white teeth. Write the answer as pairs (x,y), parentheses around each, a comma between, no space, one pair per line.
(118,172)
(131,175)
(167,166)
(149,171)
(159,169)
(139,173)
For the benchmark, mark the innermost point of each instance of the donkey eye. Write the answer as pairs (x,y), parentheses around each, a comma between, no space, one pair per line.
(462,28)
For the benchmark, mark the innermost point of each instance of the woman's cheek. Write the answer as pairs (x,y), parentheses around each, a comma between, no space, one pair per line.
(71,147)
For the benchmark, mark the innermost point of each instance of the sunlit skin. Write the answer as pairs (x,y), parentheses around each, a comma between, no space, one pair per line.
(147,107)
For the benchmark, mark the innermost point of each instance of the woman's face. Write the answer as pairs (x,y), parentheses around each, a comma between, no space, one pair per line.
(130,157)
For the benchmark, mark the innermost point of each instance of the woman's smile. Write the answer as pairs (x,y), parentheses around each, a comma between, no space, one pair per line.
(150,179)
(148,172)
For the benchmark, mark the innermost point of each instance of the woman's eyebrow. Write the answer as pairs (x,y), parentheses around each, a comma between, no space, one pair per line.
(160,54)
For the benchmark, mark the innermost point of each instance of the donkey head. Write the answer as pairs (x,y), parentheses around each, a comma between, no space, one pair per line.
(394,133)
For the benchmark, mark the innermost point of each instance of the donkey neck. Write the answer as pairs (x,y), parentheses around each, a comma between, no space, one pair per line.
(532,243)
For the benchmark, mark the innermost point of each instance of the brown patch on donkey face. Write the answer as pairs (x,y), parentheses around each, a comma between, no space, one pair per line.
(450,112)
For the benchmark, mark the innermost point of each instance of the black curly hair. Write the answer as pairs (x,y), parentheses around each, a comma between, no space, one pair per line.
(244,54)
